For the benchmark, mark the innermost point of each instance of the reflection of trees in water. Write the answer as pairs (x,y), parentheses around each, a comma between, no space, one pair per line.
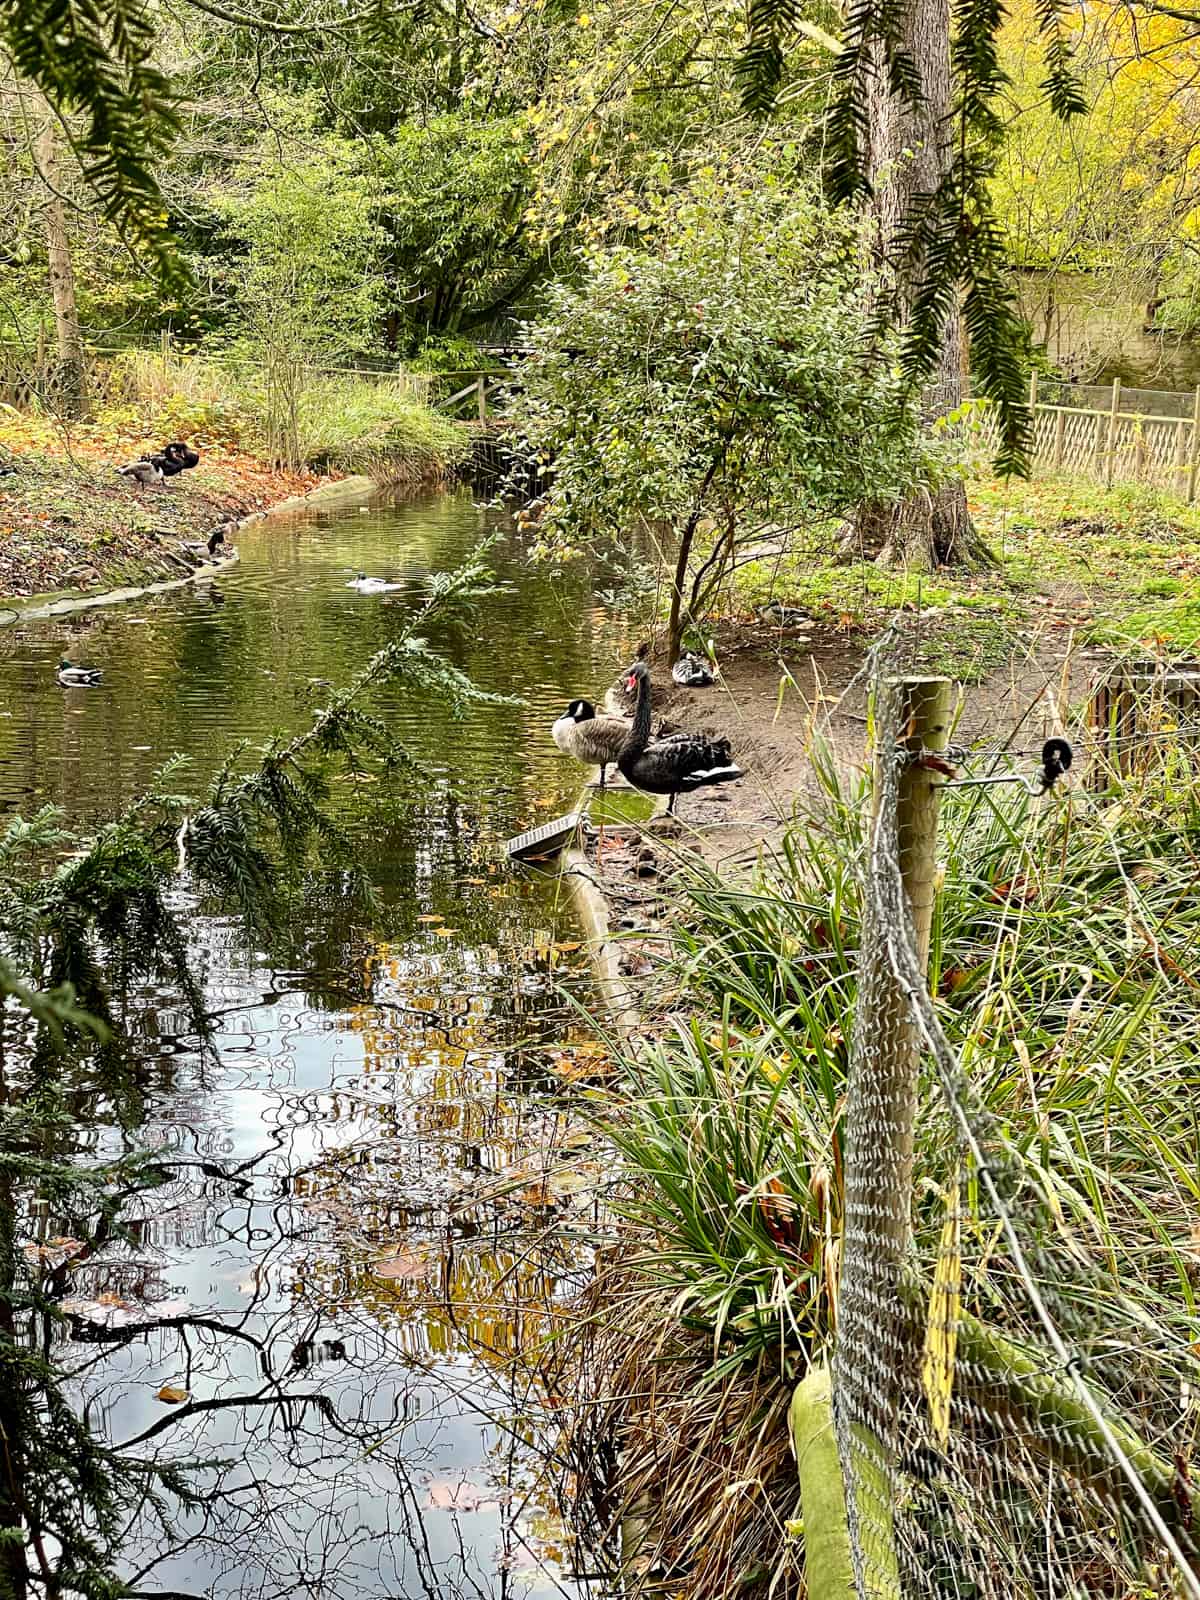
(330,1408)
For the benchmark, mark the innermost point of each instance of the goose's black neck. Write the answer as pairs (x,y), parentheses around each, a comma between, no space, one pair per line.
(639,734)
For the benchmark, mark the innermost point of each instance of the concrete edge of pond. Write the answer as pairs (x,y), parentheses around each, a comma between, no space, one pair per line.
(64,605)
(595,914)
(39,609)
(325,497)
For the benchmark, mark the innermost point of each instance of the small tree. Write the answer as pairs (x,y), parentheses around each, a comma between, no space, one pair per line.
(707,382)
(310,285)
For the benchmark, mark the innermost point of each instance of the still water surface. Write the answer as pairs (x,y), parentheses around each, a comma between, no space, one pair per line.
(380,1089)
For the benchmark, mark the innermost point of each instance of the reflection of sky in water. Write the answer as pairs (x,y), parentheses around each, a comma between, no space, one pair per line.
(369,1086)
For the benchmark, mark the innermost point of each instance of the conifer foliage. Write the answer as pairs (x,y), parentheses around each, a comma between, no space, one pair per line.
(947,242)
(91,59)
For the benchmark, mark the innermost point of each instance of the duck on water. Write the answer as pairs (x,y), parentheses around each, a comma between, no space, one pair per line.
(73,677)
(366,585)
(676,764)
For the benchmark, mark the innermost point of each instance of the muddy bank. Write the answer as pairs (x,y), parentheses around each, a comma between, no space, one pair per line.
(783,697)
(70,525)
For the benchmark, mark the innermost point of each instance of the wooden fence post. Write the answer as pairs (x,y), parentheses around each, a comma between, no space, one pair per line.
(1033,400)
(1194,458)
(1179,471)
(1060,430)
(482,398)
(1111,460)
(876,1333)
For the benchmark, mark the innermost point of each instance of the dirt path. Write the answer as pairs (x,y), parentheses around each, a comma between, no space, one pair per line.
(780,691)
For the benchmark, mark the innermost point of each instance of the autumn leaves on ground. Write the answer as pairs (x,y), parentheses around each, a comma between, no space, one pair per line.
(68,521)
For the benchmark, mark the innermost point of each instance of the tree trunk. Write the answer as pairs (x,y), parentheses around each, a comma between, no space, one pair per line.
(675,620)
(71,387)
(910,149)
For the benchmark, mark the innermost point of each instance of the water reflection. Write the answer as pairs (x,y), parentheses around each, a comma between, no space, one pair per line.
(379,1193)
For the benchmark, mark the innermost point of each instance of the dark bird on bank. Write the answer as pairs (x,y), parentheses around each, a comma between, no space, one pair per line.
(143,472)
(72,677)
(674,765)
(168,462)
(217,538)
(782,616)
(1057,756)
(619,700)
(595,738)
(692,672)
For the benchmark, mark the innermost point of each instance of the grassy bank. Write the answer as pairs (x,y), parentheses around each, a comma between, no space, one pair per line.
(1061,968)
(67,521)
(1118,567)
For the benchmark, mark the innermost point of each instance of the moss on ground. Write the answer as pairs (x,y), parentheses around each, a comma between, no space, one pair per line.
(1120,567)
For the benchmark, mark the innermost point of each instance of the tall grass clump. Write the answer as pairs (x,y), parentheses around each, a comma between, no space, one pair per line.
(332,422)
(1063,967)
(375,426)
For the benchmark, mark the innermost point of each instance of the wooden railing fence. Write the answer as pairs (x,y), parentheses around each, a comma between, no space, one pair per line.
(1117,445)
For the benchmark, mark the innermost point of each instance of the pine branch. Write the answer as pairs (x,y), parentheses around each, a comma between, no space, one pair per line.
(947,245)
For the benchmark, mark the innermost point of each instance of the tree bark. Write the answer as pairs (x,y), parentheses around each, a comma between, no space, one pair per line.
(687,534)
(675,620)
(910,149)
(71,387)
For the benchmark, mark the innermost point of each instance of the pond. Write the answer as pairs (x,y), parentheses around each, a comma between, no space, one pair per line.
(326,1304)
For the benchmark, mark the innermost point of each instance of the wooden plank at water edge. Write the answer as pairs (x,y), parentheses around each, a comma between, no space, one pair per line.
(547,840)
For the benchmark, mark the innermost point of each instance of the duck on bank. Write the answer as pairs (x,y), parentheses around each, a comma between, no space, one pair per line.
(156,468)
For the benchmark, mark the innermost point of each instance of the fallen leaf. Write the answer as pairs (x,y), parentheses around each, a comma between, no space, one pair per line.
(445,933)
(171,1396)
(431,916)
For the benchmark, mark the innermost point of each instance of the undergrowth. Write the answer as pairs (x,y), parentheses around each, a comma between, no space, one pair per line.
(1119,567)
(1061,964)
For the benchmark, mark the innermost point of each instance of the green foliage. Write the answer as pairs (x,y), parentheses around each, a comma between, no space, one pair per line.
(94,58)
(452,193)
(731,1123)
(947,240)
(714,369)
(309,281)
(375,426)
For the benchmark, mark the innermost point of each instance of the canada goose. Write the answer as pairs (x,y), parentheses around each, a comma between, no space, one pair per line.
(596,739)
(678,764)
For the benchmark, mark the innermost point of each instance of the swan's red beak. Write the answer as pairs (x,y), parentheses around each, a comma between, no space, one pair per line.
(631,682)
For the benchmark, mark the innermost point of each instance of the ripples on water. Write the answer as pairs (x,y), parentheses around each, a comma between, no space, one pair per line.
(373,1080)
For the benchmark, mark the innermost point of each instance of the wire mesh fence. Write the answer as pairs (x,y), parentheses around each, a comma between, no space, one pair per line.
(1013,1379)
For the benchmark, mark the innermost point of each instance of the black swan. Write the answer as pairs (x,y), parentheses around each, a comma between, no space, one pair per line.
(676,764)
(620,699)
(594,738)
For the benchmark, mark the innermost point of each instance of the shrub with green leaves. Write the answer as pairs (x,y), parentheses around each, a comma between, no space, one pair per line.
(705,380)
